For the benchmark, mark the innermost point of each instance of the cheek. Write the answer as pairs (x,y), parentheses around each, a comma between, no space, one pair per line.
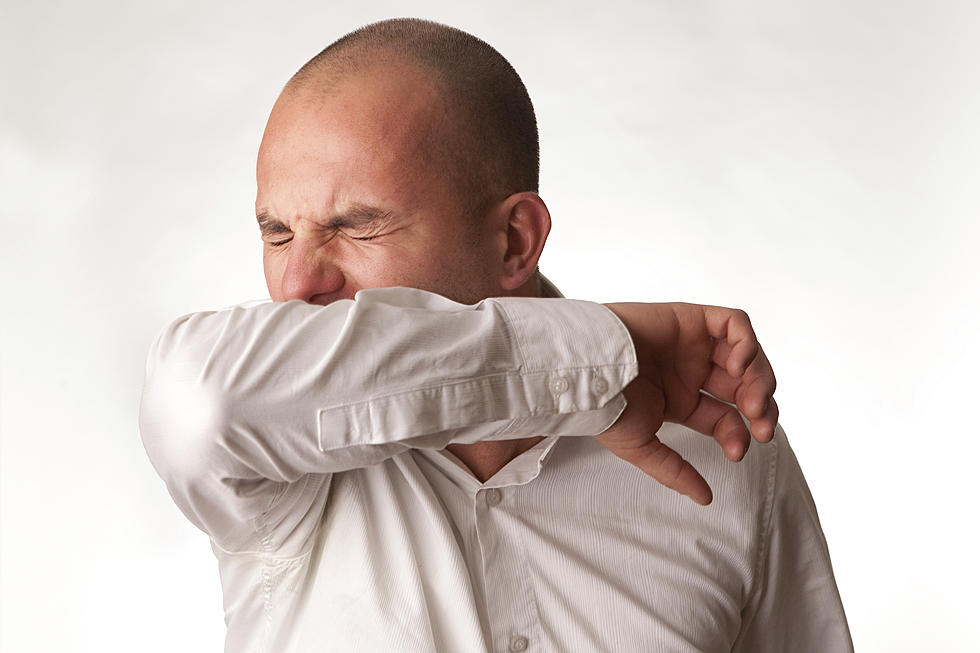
(465,275)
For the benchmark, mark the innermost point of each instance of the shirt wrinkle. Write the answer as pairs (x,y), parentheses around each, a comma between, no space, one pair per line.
(392,544)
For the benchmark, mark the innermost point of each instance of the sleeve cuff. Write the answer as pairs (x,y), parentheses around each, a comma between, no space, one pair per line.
(575,358)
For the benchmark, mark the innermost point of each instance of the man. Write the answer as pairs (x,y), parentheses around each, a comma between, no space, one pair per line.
(396,462)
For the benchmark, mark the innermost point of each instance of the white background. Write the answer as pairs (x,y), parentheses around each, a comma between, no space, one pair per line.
(815,163)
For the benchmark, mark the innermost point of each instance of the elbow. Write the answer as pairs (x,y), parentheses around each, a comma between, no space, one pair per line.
(181,419)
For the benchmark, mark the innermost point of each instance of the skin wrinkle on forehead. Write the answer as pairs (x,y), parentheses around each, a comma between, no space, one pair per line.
(439,139)
(413,139)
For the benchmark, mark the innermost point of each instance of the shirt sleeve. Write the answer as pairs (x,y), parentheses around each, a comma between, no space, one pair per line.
(794,604)
(241,406)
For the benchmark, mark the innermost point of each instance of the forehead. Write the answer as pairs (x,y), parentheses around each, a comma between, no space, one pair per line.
(380,127)
(398,102)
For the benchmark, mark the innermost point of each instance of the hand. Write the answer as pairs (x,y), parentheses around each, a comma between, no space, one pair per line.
(683,349)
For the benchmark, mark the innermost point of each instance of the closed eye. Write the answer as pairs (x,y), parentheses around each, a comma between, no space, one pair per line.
(271,227)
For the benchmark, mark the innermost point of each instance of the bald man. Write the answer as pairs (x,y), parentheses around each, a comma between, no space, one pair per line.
(395,453)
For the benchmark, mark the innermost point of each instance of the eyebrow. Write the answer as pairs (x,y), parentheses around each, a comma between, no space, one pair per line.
(357,216)
(270,226)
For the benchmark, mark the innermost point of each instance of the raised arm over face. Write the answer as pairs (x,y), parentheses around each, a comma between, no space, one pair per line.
(366,179)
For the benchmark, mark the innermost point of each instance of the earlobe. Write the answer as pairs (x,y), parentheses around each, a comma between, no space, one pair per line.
(528,225)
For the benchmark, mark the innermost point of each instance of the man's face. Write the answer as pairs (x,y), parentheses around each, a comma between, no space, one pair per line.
(352,196)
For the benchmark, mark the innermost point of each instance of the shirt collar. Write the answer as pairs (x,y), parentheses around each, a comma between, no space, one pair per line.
(547,288)
(522,469)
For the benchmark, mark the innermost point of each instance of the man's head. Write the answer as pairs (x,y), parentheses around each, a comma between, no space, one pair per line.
(403,154)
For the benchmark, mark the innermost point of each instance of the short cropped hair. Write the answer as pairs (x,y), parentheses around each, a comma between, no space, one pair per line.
(495,150)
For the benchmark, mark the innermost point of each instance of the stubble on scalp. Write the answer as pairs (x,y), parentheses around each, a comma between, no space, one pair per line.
(483,134)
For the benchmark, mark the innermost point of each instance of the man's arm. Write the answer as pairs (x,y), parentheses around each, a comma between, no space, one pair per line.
(239,404)
(794,604)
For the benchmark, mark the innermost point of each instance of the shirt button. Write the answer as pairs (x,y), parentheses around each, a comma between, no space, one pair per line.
(518,643)
(493,496)
(559,385)
(600,385)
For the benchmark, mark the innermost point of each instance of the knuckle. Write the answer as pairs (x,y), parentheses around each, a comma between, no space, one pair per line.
(670,468)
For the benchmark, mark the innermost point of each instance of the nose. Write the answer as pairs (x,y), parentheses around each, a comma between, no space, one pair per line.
(311,275)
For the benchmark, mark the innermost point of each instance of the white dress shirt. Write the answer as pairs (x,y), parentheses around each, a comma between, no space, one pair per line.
(309,443)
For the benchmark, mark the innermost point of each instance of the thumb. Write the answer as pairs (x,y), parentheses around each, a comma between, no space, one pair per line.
(634,439)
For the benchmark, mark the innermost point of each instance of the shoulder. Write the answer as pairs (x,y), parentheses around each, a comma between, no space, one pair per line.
(705,561)
(743,491)
(737,486)
(735,525)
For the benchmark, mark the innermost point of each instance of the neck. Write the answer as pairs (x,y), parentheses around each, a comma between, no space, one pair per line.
(485,459)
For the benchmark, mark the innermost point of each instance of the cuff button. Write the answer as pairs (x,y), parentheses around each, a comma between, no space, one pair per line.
(559,385)
(600,385)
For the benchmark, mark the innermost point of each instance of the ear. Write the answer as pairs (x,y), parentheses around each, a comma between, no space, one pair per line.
(528,222)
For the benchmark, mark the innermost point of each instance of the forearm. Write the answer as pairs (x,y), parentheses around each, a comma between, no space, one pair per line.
(277,391)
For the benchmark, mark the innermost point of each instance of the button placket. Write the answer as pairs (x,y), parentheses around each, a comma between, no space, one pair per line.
(493,497)
(511,608)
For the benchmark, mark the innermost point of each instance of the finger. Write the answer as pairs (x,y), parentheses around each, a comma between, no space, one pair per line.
(752,391)
(722,384)
(755,393)
(733,326)
(764,428)
(633,438)
(721,352)
(671,470)
(721,422)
